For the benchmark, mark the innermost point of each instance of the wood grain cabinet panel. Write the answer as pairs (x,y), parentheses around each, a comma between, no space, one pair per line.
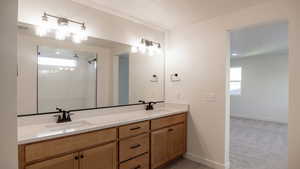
(102,157)
(133,147)
(167,121)
(51,148)
(133,129)
(141,162)
(65,162)
(176,141)
(159,148)
(167,144)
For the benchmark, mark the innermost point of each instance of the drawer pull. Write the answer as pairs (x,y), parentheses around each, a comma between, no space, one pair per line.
(170,130)
(136,128)
(137,167)
(135,146)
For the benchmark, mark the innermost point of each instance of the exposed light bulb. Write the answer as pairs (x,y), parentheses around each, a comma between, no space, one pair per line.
(142,49)
(76,38)
(134,49)
(62,31)
(60,35)
(82,33)
(41,30)
(151,52)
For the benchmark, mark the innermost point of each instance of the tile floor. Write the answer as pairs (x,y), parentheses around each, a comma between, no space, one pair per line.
(183,163)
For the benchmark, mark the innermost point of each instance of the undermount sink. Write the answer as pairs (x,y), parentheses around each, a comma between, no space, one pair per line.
(69,125)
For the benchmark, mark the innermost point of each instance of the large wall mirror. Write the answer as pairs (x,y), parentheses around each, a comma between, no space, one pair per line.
(96,73)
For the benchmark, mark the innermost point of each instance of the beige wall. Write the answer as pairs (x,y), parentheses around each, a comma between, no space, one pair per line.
(141,68)
(99,24)
(264,92)
(27,61)
(199,53)
(8,90)
(294,83)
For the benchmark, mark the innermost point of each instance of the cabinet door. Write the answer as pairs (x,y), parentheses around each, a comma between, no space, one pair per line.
(101,157)
(65,162)
(159,147)
(176,141)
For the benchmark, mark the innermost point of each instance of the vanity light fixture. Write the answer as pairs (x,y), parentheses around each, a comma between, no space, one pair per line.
(147,45)
(134,49)
(62,28)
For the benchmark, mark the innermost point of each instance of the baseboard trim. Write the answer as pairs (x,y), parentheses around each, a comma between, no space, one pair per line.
(207,162)
(257,119)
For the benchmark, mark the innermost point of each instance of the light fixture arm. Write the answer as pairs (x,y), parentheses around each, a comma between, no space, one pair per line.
(150,43)
(63,18)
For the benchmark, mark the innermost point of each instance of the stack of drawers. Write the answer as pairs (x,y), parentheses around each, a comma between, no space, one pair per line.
(134,146)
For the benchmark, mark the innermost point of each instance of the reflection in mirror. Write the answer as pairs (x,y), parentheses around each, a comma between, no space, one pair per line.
(95,73)
(66,79)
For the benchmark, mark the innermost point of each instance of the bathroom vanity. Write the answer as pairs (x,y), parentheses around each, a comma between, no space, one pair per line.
(143,140)
(94,81)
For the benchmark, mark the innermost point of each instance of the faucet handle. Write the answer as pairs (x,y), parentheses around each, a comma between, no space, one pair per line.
(142,101)
(68,118)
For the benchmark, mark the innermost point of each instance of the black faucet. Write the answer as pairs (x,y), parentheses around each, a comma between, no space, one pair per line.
(149,105)
(65,117)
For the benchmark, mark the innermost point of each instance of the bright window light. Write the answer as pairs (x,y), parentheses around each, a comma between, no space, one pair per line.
(235,81)
(57,62)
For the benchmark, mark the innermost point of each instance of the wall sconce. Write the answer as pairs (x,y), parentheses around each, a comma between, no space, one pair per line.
(62,28)
(147,45)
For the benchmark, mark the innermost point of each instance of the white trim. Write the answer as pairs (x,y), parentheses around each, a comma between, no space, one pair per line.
(98,6)
(207,162)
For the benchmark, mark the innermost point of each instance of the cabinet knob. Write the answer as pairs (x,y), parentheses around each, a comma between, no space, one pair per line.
(76,158)
(81,156)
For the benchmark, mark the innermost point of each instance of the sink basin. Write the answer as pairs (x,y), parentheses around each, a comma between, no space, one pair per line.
(69,125)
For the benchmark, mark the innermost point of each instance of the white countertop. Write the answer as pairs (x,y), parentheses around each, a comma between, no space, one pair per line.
(34,130)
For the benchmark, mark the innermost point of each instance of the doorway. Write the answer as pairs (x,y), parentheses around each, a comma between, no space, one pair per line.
(258,89)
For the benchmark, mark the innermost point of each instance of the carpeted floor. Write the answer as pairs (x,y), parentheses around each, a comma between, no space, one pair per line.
(258,144)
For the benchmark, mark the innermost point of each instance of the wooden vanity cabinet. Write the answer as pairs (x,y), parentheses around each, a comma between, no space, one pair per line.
(142,145)
(101,157)
(168,143)
(64,162)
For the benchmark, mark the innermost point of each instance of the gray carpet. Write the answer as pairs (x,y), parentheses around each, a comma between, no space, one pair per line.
(258,144)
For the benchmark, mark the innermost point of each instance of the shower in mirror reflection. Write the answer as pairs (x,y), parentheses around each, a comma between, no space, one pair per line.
(66,79)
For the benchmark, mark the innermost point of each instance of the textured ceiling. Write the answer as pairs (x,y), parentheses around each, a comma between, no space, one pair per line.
(260,40)
(167,14)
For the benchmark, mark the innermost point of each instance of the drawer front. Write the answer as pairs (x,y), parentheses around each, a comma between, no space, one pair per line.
(133,129)
(133,147)
(141,162)
(46,149)
(167,121)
